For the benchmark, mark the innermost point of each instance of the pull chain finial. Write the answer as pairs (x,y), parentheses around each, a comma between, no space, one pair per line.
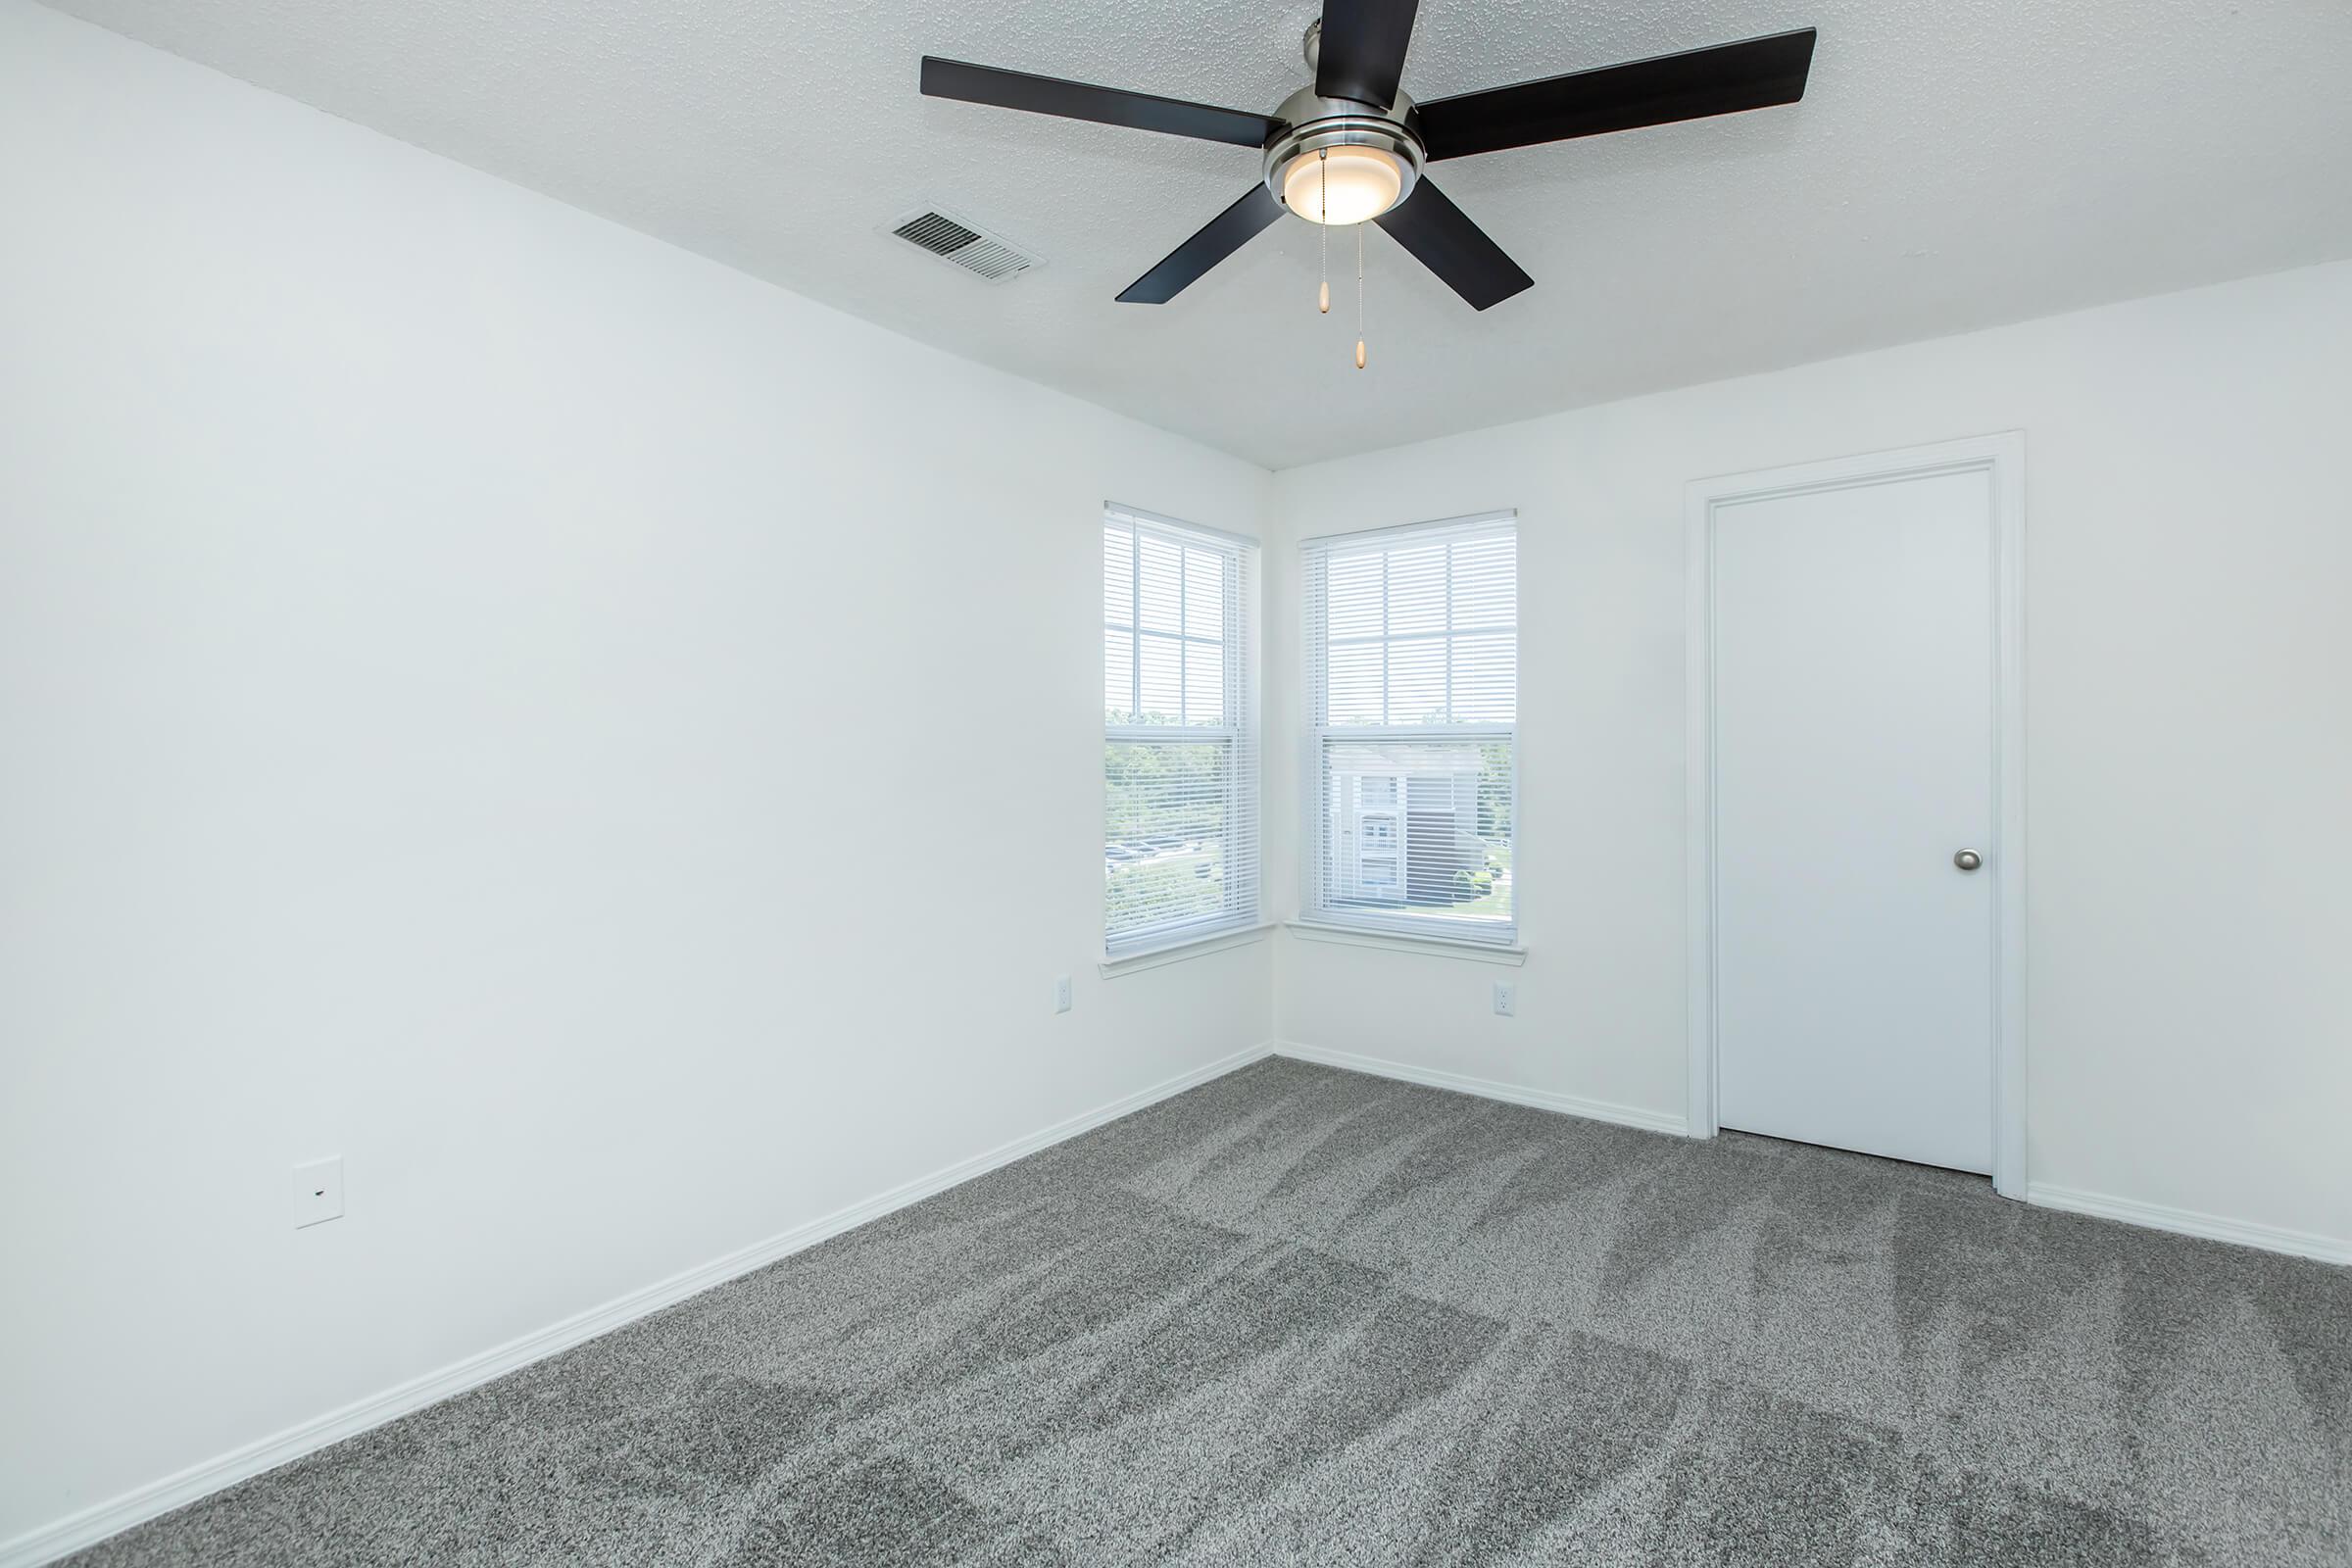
(1359,296)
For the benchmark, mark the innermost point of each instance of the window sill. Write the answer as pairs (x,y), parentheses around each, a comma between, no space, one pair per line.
(1399,942)
(1178,952)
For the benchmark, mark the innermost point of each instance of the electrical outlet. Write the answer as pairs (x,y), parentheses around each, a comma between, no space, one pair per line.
(1062,993)
(1506,999)
(318,1192)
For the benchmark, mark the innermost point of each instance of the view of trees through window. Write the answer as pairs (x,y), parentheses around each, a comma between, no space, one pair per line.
(1179,838)
(1164,841)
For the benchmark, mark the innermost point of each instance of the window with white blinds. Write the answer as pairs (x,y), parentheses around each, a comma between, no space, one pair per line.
(1413,642)
(1180,745)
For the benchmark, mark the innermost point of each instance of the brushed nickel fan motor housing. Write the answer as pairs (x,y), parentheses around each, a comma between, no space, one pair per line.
(1312,123)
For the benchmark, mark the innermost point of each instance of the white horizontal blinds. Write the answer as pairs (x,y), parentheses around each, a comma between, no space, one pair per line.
(1413,671)
(1180,753)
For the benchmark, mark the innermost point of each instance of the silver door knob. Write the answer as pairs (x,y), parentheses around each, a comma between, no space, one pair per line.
(1967,860)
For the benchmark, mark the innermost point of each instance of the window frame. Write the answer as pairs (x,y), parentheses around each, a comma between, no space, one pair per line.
(1481,935)
(1244,881)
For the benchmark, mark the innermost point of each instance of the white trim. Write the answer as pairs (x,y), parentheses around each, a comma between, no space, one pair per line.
(1651,1121)
(2153,1216)
(1436,947)
(1155,520)
(2003,458)
(2188,1222)
(1373,538)
(95,1524)
(1111,967)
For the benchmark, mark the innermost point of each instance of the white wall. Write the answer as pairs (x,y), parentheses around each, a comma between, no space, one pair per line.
(2189,731)
(474,681)
(480,693)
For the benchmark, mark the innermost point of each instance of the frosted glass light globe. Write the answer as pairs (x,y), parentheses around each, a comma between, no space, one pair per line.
(1353,184)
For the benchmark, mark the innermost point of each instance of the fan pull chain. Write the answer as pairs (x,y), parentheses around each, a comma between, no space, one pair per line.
(1359,296)
(1323,168)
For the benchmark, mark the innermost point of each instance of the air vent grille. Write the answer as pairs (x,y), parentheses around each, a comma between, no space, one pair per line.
(937,233)
(952,240)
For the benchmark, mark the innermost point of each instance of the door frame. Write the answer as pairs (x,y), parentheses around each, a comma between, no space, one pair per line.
(2002,456)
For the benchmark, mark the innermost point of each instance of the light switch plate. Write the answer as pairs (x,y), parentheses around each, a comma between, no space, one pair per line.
(318,1192)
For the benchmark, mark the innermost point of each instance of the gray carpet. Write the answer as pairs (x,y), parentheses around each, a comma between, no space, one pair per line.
(1304,1316)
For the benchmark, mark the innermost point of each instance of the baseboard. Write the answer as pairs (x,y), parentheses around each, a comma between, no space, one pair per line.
(1655,1121)
(95,1524)
(2155,1217)
(2188,1222)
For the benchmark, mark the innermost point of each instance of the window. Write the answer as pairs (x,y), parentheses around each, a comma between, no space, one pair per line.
(1412,639)
(1180,747)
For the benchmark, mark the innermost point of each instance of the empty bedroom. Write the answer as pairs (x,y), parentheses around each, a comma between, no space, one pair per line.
(798,783)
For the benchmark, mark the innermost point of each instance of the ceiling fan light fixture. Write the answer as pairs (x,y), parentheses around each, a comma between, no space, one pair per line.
(1342,184)
(1356,100)
(1332,163)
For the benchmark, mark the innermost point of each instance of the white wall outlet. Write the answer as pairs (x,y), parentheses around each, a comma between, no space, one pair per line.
(318,1192)
(1062,993)
(1506,999)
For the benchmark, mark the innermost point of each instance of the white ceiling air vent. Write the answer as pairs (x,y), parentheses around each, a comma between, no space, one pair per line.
(954,240)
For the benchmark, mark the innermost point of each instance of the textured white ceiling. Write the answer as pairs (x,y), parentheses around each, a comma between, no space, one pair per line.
(1955,164)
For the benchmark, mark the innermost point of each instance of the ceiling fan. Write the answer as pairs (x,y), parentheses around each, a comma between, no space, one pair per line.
(1353,145)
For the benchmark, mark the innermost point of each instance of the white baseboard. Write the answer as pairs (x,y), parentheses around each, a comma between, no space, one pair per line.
(94,1524)
(1655,1121)
(2188,1222)
(2155,1217)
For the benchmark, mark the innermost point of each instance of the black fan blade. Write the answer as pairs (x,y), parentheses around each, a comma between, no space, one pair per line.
(1107,106)
(1224,234)
(1454,248)
(1722,80)
(1361,54)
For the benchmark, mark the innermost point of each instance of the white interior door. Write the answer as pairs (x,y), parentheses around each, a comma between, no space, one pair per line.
(1854,681)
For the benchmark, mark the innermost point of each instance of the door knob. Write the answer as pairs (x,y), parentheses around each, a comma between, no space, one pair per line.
(1967,860)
